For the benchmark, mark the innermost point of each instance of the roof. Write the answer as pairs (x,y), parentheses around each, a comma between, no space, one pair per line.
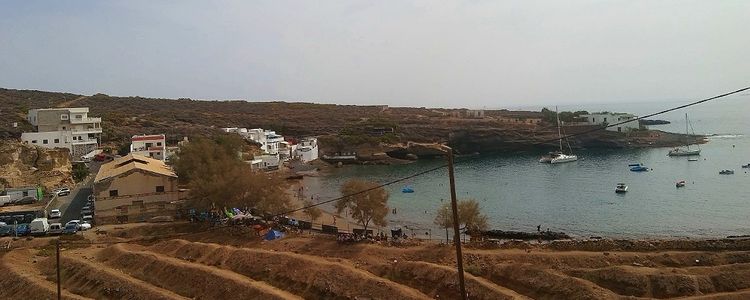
(70,109)
(132,162)
(147,137)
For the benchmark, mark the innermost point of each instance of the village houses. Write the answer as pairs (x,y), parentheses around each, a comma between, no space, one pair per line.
(134,188)
(607,118)
(70,128)
(275,148)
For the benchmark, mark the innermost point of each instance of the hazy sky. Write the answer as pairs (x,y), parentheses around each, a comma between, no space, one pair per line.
(406,53)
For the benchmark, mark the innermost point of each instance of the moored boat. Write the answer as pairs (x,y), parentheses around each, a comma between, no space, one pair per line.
(680,183)
(621,188)
(407,189)
(638,168)
(746,166)
(558,157)
(685,151)
(726,172)
(692,159)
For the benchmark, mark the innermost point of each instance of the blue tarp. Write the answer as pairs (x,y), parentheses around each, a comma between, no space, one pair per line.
(272,235)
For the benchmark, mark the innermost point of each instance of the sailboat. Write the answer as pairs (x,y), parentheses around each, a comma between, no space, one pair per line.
(558,156)
(685,151)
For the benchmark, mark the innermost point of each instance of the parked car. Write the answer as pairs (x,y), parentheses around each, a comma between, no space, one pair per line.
(87,218)
(63,192)
(55,228)
(85,226)
(54,214)
(39,226)
(23,229)
(70,228)
(6,230)
(77,223)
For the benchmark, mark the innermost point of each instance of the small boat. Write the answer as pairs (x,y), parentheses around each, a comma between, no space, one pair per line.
(726,172)
(746,166)
(621,188)
(407,189)
(639,168)
(633,165)
(692,159)
(558,157)
(680,183)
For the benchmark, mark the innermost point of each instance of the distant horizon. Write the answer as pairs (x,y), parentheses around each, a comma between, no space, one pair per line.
(525,107)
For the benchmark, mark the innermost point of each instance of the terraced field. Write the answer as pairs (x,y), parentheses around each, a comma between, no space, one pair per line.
(319,268)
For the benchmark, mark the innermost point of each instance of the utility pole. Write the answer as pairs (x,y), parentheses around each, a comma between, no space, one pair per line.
(59,294)
(456,231)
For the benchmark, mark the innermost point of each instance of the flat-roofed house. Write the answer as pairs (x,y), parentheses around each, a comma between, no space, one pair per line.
(134,188)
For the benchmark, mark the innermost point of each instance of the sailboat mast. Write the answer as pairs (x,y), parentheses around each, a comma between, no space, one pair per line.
(686,132)
(559,135)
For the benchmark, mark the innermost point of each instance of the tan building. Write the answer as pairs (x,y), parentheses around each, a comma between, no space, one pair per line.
(70,128)
(134,188)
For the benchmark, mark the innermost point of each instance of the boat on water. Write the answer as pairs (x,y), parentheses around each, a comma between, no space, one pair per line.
(746,166)
(692,159)
(680,183)
(685,151)
(638,168)
(407,189)
(726,172)
(621,188)
(559,157)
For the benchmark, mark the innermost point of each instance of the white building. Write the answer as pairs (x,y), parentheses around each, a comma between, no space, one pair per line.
(306,150)
(153,146)
(268,139)
(70,128)
(607,118)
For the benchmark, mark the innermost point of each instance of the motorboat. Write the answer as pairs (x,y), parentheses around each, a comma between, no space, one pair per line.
(621,188)
(633,165)
(746,166)
(680,183)
(692,159)
(685,151)
(726,172)
(407,189)
(558,157)
(638,168)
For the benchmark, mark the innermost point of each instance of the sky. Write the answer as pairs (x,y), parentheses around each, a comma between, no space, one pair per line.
(476,54)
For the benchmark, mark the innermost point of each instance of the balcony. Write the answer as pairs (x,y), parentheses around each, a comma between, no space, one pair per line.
(87,130)
(85,120)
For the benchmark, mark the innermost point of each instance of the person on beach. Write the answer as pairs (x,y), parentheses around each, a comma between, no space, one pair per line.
(334,220)
(539,228)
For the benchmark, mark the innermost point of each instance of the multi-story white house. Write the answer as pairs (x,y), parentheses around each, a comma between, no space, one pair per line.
(70,128)
(153,146)
(306,150)
(607,118)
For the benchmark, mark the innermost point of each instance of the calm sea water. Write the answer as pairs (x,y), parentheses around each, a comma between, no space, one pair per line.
(518,193)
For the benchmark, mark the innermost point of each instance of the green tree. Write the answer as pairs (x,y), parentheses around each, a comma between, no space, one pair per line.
(365,207)
(80,171)
(470,217)
(217,177)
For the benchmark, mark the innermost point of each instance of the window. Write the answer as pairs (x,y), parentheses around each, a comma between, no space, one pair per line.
(33,141)
(63,117)
(605,120)
(57,141)
(25,193)
(79,116)
(45,142)
(158,143)
(64,128)
(113,193)
(160,189)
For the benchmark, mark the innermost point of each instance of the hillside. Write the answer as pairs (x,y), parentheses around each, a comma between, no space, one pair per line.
(343,127)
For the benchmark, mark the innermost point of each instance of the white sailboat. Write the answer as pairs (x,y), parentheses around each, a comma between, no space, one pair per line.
(558,157)
(685,151)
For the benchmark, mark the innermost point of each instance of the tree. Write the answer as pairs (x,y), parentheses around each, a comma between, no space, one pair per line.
(80,171)
(365,207)
(217,177)
(470,217)
(313,212)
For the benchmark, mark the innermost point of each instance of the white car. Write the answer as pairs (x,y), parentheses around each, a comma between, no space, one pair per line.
(54,214)
(77,222)
(62,192)
(87,218)
(85,226)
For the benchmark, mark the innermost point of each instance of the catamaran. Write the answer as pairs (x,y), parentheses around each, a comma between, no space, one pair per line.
(685,151)
(558,157)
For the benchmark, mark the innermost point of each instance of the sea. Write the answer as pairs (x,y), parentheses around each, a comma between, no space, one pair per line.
(517,192)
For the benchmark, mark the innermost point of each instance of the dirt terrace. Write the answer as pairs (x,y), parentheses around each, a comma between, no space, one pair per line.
(199,267)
